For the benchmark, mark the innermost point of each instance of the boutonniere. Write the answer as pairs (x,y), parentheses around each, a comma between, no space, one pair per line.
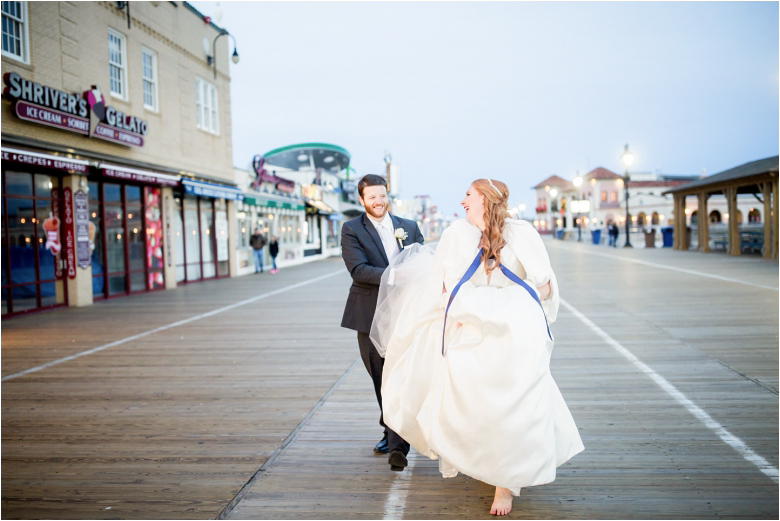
(401,235)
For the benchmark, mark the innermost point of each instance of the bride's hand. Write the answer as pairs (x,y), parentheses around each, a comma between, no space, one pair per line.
(544,291)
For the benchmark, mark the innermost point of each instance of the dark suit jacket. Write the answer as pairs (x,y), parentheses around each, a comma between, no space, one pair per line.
(366,260)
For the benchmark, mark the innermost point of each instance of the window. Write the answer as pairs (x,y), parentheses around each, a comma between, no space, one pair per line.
(117,64)
(149,62)
(15,39)
(603,196)
(614,197)
(206,106)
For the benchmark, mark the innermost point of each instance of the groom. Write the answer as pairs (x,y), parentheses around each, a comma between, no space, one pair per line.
(368,244)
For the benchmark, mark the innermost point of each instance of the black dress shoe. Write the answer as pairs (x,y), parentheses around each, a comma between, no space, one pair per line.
(397,461)
(382,446)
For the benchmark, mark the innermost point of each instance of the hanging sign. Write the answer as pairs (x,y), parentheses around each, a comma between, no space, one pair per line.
(84,252)
(45,161)
(70,234)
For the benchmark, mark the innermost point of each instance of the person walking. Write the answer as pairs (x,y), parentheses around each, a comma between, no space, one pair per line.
(369,243)
(257,241)
(465,333)
(273,249)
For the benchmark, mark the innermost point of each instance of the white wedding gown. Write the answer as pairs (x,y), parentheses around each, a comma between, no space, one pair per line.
(489,407)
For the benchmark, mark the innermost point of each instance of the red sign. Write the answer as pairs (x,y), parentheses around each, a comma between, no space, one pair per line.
(70,233)
(53,118)
(45,161)
(115,135)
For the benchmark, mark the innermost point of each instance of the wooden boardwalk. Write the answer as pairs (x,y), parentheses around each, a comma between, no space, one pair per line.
(181,423)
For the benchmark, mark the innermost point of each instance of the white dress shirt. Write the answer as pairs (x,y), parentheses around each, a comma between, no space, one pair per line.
(387,234)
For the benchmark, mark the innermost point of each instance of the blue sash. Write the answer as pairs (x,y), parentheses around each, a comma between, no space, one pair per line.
(511,276)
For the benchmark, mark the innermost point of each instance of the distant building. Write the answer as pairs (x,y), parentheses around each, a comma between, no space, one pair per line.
(600,198)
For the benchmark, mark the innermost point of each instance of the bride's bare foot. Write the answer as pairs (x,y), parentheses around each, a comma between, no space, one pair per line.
(502,502)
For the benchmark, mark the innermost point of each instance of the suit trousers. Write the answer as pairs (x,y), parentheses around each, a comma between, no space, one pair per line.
(374,364)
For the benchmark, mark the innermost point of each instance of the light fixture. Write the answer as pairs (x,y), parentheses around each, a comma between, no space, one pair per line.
(577,181)
(303,157)
(553,192)
(328,159)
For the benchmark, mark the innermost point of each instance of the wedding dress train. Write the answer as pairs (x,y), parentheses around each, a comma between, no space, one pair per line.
(488,407)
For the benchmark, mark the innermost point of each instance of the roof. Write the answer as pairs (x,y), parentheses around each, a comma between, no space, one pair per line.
(665,184)
(731,176)
(601,173)
(203,17)
(553,180)
(324,155)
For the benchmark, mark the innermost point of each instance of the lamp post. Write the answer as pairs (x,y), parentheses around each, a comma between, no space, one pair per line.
(577,182)
(213,57)
(627,159)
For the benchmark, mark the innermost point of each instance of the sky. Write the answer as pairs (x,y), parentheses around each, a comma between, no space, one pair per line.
(516,91)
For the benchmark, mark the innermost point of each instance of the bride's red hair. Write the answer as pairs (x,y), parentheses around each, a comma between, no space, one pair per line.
(496,211)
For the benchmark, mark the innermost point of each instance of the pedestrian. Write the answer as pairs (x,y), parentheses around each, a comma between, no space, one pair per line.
(369,243)
(257,241)
(615,233)
(273,249)
(467,343)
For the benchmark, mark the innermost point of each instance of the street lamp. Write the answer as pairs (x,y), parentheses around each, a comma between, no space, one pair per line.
(577,183)
(213,58)
(627,159)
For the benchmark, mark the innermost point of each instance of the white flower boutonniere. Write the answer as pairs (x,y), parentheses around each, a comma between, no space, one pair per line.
(401,235)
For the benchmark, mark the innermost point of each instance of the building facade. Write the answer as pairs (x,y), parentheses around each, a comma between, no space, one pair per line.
(117,172)
(599,197)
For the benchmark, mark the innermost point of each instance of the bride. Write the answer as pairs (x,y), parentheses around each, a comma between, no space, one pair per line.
(464,331)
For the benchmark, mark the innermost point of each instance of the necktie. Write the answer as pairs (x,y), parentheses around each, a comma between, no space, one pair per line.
(389,241)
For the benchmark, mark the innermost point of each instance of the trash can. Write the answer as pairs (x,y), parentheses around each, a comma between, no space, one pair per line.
(668,235)
(596,236)
(650,238)
(560,234)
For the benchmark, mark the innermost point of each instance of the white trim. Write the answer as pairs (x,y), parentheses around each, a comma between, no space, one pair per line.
(154,81)
(25,39)
(139,172)
(45,156)
(123,41)
(735,443)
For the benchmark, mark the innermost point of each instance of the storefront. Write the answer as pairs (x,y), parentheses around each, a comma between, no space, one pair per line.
(33,232)
(275,217)
(126,230)
(200,217)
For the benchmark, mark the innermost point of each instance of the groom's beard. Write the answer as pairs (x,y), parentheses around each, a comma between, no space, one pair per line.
(376,212)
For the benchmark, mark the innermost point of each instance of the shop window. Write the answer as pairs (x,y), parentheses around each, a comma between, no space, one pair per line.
(149,63)
(96,241)
(179,238)
(117,64)
(15,34)
(207,115)
(221,238)
(32,271)
(754,216)
(207,238)
(154,238)
(192,238)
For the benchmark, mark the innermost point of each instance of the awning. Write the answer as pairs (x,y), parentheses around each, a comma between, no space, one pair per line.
(142,176)
(212,190)
(45,160)
(321,207)
(271,203)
